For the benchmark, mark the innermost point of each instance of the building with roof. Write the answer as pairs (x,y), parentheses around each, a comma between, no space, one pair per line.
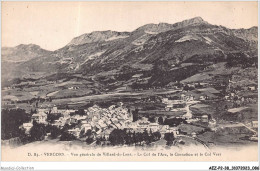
(27,127)
(254,124)
(40,117)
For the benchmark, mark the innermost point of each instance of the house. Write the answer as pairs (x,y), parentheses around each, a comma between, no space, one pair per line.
(173,130)
(27,127)
(193,134)
(58,123)
(252,88)
(72,121)
(54,109)
(254,124)
(204,118)
(133,125)
(40,117)
(143,123)
(106,133)
(226,97)
(165,100)
(86,126)
(163,129)
(154,127)
(203,97)
(75,131)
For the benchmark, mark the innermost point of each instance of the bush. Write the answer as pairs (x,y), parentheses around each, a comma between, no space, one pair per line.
(89,140)
(65,136)
(169,137)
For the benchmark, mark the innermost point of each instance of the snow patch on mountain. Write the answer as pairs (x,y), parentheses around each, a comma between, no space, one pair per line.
(116,37)
(90,57)
(186,38)
(151,32)
(208,40)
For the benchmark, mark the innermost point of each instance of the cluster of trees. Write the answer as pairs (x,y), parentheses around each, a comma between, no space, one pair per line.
(51,117)
(121,137)
(80,112)
(188,88)
(241,59)
(37,132)
(90,137)
(163,75)
(65,136)
(10,122)
(36,101)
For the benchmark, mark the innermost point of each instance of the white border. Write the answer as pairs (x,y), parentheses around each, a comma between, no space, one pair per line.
(126,165)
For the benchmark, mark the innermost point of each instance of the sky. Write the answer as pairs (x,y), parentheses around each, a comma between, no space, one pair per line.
(52,25)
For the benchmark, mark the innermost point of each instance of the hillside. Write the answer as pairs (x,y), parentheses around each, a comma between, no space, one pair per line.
(192,43)
(22,52)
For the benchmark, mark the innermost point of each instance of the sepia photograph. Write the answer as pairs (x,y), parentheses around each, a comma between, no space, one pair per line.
(129,81)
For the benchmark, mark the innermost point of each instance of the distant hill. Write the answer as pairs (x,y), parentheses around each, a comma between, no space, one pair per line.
(22,52)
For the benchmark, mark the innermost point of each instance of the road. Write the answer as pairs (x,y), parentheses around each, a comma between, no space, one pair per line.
(112,95)
(195,139)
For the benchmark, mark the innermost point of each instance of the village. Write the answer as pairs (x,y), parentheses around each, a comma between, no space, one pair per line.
(176,119)
(186,111)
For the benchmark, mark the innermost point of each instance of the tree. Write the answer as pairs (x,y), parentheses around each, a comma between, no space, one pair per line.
(55,132)
(169,137)
(151,119)
(98,141)
(89,132)
(128,139)
(81,112)
(139,137)
(90,140)
(117,137)
(37,132)
(52,117)
(135,115)
(82,133)
(160,120)
(157,135)
(146,137)
(24,138)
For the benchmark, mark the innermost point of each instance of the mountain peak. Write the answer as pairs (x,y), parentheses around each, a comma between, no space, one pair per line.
(97,36)
(23,52)
(198,19)
(195,20)
(162,27)
(21,46)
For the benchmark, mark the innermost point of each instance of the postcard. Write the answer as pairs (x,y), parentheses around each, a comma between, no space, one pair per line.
(129,81)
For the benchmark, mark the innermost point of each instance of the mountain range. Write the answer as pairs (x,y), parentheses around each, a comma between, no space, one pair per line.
(190,41)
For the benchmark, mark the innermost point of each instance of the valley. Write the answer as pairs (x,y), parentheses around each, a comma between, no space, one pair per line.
(190,82)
